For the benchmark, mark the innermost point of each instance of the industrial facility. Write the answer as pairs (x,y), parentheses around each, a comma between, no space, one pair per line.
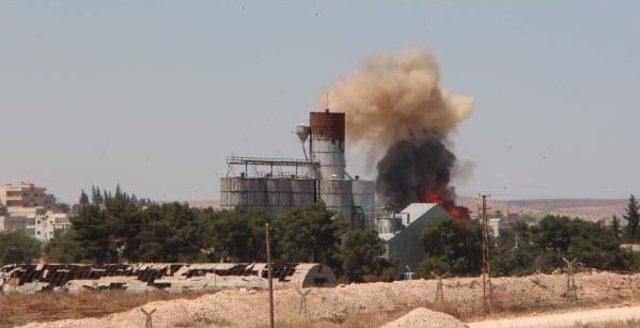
(276,185)
(320,176)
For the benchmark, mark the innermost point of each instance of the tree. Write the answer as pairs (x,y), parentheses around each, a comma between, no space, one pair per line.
(166,233)
(96,196)
(93,234)
(514,254)
(18,248)
(361,253)
(615,226)
(452,245)
(236,235)
(593,244)
(516,261)
(633,218)
(84,199)
(309,234)
(64,249)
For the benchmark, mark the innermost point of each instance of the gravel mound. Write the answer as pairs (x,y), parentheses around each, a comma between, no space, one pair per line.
(425,318)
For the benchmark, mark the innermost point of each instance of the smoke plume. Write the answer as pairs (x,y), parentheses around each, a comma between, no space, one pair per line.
(396,107)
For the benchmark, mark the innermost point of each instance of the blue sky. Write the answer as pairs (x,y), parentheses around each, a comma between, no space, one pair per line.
(155,94)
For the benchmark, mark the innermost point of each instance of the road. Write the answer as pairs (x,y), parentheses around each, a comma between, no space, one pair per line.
(563,320)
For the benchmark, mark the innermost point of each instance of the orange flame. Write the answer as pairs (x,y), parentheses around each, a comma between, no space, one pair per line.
(457,212)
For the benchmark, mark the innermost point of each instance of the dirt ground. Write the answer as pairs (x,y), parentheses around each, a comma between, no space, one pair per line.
(370,305)
(627,316)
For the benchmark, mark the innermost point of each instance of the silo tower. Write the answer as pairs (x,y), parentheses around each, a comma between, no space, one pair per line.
(327,148)
(327,143)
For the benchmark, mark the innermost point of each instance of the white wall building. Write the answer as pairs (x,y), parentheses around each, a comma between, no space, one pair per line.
(40,226)
(45,227)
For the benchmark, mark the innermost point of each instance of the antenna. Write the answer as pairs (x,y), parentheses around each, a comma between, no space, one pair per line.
(326,104)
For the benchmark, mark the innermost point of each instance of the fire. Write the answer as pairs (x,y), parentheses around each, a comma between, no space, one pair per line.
(457,212)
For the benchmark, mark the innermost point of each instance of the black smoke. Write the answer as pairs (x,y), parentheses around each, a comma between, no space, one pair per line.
(410,166)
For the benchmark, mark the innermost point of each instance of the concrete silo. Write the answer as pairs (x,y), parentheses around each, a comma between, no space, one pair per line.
(280,184)
(327,148)
(327,143)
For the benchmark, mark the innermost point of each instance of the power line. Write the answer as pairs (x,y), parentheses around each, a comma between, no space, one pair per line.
(486,272)
(270,275)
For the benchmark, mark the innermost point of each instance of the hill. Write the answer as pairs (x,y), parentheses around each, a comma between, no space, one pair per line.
(588,209)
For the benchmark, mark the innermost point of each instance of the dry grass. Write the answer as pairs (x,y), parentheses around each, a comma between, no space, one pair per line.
(352,306)
(19,309)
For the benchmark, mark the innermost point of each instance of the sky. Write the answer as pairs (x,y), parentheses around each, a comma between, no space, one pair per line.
(154,95)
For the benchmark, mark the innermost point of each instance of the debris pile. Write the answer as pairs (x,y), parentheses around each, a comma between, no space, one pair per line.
(173,277)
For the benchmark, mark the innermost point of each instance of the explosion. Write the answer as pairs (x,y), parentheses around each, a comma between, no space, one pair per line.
(396,107)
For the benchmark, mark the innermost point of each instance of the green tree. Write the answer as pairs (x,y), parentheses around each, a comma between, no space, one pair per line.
(514,254)
(18,248)
(593,244)
(615,226)
(516,261)
(64,249)
(633,218)
(361,254)
(84,199)
(452,245)
(309,234)
(93,234)
(167,233)
(96,196)
(236,235)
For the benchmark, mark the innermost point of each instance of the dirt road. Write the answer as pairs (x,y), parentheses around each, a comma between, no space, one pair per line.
(564,320)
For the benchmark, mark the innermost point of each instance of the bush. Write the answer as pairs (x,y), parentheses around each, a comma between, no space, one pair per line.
(18,248)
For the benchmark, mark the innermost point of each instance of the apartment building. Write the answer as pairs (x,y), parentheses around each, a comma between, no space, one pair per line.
(30,210)
(25,195)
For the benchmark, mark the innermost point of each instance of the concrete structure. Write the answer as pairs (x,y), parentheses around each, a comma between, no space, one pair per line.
(289,183)
(30,210)
(327,131)
(363,201)
(174,277)
(46,227)
(14,224)
(43,227)
(25,195)
(404,230)
(273,194)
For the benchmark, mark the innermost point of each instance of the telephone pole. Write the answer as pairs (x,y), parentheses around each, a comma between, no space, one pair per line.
(486,272)
(270,276)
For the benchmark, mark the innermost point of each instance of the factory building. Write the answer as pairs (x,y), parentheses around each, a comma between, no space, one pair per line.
(402,232)
(277,185)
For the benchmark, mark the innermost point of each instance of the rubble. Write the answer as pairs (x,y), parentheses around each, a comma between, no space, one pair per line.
(173,277)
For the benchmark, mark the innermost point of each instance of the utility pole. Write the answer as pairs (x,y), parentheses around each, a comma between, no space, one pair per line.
(486,273)
(270,276)
(571,280)
(439,291)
